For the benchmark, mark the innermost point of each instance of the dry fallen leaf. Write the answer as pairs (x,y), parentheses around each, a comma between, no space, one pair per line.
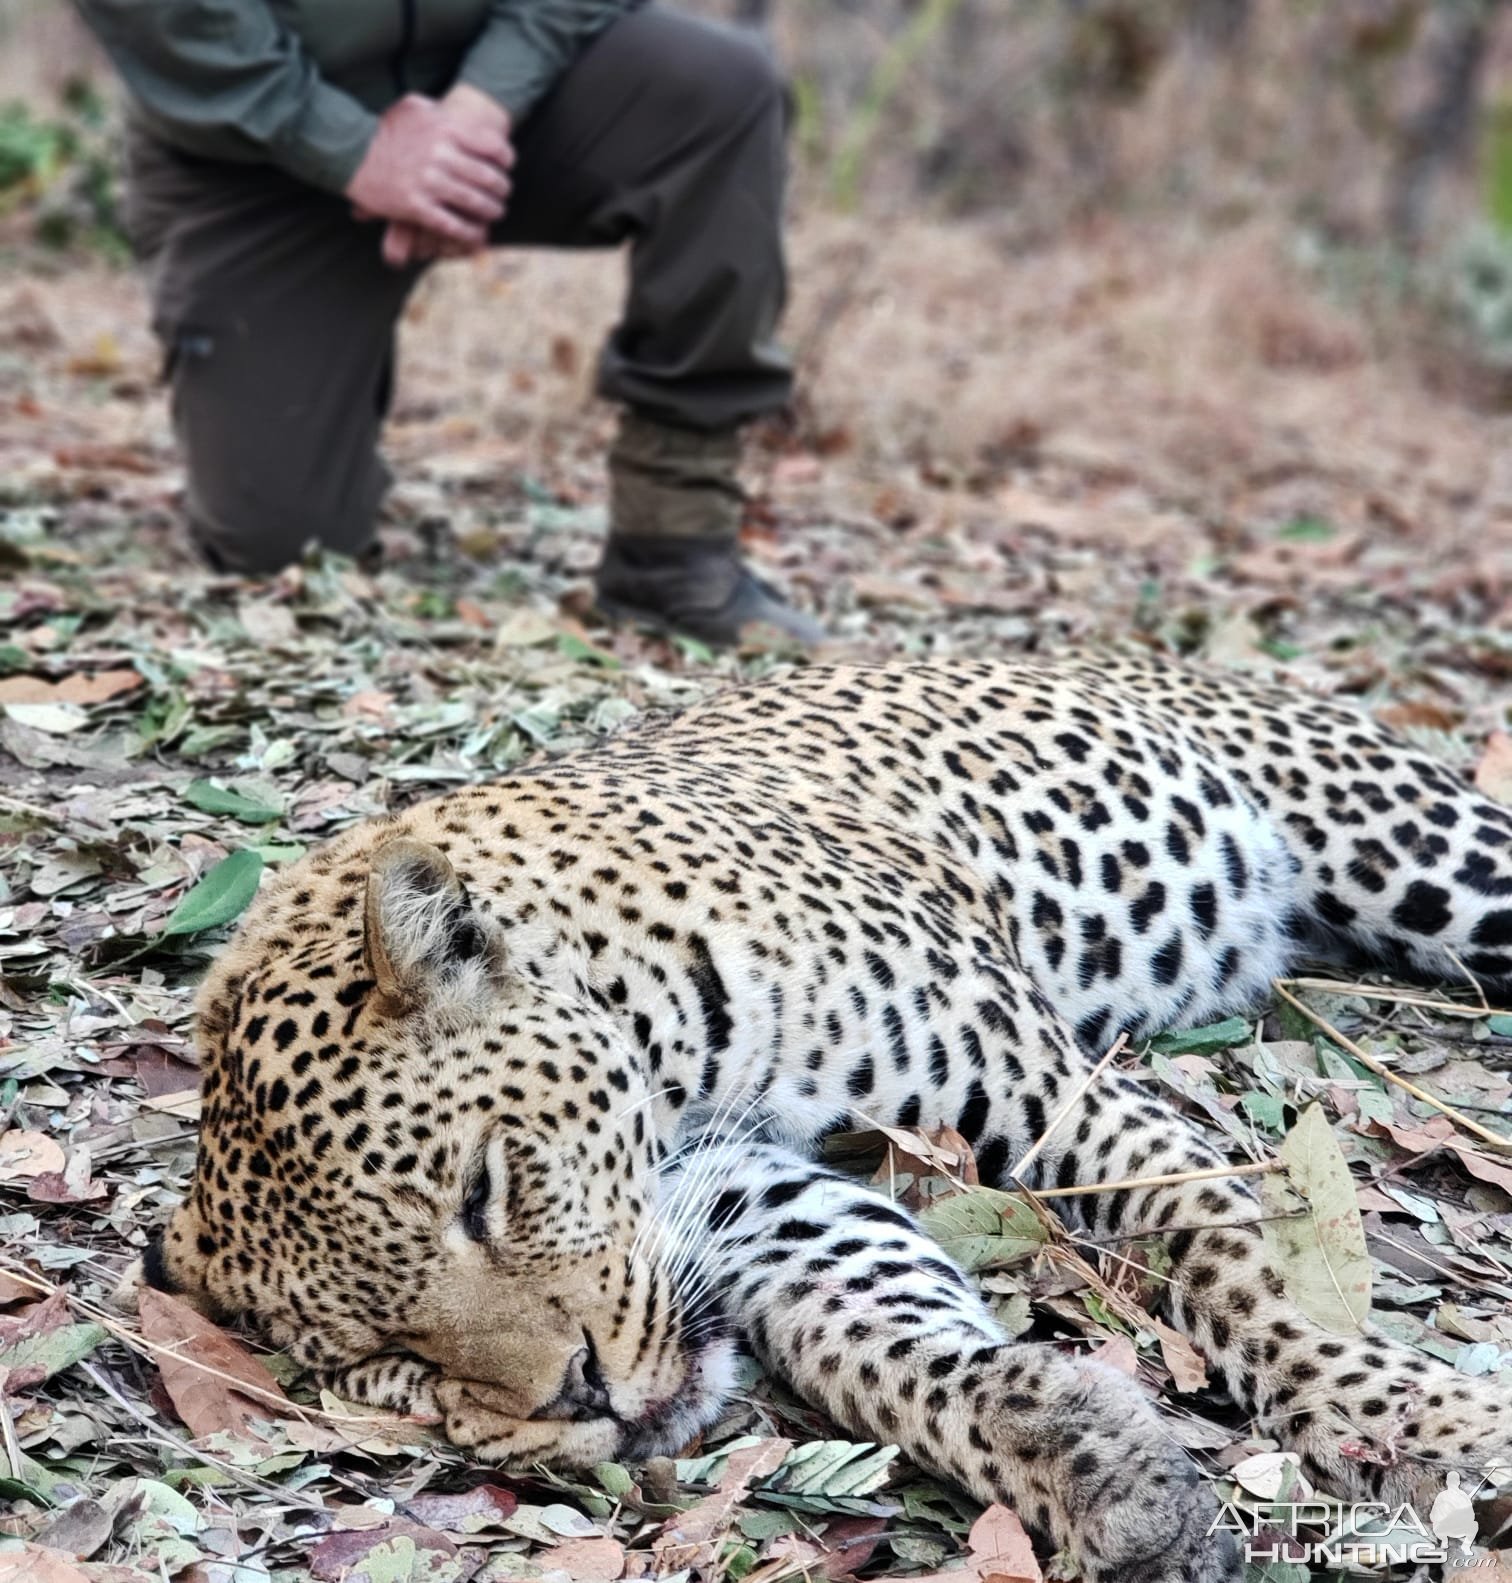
(35,1564)
(1000,1549)
(203,1369)
(588,1560)
(13,1290)
(1117,1352)
(1000,1553)
(847,1545)
(77,689)
(396,1549)
(689,1538)
(1493,775)
(28,1154)
(1186,1363)
(185,1104)
(1402,717)
(466,1511)
(912,1153)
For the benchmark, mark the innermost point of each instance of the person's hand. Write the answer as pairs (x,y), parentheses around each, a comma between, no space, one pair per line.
(405,244)
(439,168)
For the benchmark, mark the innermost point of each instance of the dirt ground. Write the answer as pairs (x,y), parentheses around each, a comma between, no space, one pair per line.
(1185,440)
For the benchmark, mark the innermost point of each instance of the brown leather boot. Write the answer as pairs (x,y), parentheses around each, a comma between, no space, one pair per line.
(672,560)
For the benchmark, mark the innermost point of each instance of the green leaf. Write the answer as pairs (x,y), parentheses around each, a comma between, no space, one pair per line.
(1268,1109)
(1203,1041)
(984,1229)
(1496,162)
(53,1350)
(768,1525)
(573,647)
(223,894)
(692,649)
(1308,530)
(614,1479)
(1320,1248)
(210,798)
(280,852)
(1501,1023)
(1375,1106)
(833,1468)
(737,1561)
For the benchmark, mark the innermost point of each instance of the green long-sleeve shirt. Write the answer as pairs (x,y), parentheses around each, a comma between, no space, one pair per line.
(300,83)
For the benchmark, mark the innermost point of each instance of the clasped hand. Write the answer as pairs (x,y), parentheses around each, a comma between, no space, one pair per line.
(438,171)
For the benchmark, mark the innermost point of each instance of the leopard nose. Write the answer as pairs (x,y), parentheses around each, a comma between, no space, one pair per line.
(584,1394)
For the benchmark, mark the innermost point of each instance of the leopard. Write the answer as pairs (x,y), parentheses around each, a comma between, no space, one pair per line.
(513,1100)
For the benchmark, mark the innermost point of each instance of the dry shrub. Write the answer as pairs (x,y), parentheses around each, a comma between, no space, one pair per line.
(1202,367)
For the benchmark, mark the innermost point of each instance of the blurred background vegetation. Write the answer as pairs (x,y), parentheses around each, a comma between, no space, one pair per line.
(1378,132)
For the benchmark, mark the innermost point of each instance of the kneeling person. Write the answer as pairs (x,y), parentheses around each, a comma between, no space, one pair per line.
(265,141)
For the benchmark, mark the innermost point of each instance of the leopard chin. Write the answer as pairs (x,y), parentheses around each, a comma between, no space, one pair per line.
(671,1426)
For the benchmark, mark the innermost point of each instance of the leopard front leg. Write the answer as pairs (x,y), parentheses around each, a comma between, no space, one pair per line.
(397,1381)
(840,1292)
(473,1416)
(1371,1419)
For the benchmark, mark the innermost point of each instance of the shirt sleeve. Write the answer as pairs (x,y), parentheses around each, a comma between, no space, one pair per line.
(224,79)
(527,44)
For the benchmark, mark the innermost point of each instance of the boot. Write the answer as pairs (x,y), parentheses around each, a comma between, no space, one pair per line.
(672,560)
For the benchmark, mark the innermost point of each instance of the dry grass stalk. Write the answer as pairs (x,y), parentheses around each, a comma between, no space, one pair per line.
(156,1349)
(1379,1067)
(1396,997)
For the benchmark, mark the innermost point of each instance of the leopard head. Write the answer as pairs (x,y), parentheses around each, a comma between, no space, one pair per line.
(411,1149)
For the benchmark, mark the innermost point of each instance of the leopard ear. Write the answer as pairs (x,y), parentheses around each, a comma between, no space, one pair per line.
(423,933)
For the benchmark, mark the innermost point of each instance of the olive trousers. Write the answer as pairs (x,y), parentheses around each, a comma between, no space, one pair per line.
(278,315)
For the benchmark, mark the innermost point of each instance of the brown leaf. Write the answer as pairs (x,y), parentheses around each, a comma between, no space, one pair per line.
(1484,1168)
(202,1353)
(1186,1363)
(1117,1352)
(34,1564)
(343,1556)
(1000,1549)
(468,1511)
(1401,717)
(1439,1132)
(848,1544)
(77,689)
(369,704)
(688,1539)
(52,1313)
(1493,775)
(592,1560)
(29,1154)
(78,1530)
(64,1187)
(161,1071)
(915,1153)
(15,1291)
(999,1553)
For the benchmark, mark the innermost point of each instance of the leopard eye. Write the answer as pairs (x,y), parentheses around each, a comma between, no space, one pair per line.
(475,1205)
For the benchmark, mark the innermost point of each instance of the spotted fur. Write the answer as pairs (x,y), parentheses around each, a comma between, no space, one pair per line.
(510,1101)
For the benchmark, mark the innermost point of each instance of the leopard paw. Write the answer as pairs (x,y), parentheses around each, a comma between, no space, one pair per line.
(1090,1466)
(474,1419)
(1395,1424)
